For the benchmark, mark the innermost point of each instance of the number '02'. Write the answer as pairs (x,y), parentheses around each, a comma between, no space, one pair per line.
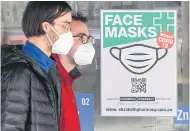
(85,101)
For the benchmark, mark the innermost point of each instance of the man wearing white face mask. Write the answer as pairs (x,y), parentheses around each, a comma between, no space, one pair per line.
(81,53)
(30,81)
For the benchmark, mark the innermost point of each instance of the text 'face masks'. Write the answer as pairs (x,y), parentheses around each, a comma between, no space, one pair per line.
(138,59)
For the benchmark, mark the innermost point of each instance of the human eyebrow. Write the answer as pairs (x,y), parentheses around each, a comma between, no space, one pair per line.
(67,22)
(81,34)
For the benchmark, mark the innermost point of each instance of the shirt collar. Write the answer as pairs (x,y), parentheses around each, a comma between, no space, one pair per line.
(45,62)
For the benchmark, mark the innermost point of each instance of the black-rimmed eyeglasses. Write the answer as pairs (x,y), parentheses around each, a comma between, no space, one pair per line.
(85,38)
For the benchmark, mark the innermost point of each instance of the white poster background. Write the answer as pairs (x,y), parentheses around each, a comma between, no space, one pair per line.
(161,83)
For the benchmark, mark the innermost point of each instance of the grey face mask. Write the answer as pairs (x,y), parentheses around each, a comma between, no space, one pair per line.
(138,59)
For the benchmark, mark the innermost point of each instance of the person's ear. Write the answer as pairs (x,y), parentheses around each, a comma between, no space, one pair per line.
(48,30)
(46,27)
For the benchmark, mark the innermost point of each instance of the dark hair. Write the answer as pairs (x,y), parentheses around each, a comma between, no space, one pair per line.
(79,17)
(37,12)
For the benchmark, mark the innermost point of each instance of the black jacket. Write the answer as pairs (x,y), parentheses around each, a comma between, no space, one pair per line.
(30,97)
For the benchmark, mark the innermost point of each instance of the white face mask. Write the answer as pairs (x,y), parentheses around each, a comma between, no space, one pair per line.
(84,54)
(138,59)
(63,44)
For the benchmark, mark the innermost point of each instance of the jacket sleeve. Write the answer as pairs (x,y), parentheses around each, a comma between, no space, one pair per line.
(75,73)
(67,77)
(14,99)
(70,77)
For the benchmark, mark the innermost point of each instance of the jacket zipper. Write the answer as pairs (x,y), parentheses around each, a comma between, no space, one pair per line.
(53,90)
(59,110)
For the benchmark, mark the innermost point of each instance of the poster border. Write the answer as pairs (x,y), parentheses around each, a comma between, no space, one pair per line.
(102,11)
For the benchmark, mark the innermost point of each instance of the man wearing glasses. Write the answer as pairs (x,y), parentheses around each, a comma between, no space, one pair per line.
(30,81)
(82,53)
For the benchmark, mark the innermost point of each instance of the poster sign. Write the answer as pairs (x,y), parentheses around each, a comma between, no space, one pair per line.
(138,63)
(85,104)
(182,115)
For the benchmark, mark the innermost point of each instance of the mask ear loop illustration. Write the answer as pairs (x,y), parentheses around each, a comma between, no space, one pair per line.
(166,52)
(112,54)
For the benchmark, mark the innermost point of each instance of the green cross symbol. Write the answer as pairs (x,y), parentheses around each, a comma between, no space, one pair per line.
(165,21)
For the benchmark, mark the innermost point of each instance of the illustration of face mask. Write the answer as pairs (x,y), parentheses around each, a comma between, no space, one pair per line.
(63,44)
(138,59)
